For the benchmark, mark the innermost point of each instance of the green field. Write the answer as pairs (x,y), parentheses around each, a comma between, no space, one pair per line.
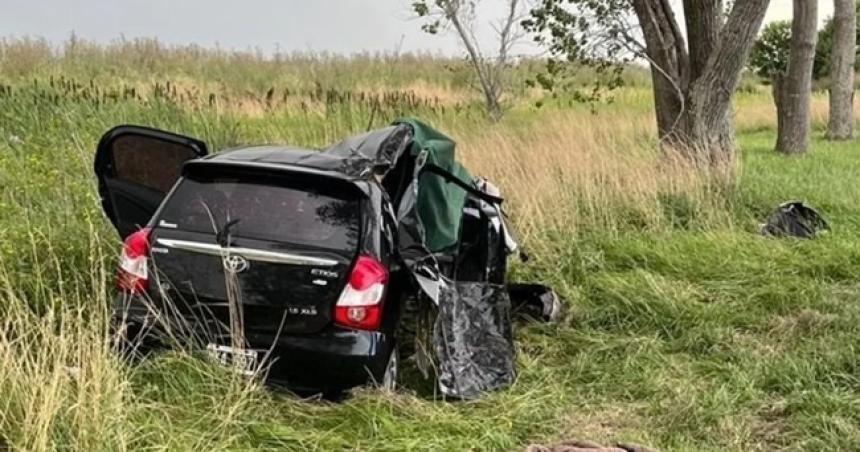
(685,329)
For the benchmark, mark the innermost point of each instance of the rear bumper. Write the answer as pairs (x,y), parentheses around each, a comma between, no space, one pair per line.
(330,360)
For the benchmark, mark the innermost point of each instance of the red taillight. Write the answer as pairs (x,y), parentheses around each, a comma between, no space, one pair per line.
(360,303)
(133,275)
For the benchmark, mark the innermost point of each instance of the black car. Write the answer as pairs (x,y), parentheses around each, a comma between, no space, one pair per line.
(302,261)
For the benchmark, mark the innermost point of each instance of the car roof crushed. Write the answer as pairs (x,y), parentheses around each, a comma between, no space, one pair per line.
(356,157)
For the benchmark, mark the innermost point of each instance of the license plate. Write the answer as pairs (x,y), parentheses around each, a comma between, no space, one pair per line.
(240,360)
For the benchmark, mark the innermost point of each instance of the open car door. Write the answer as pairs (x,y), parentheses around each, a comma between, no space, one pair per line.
(136,167)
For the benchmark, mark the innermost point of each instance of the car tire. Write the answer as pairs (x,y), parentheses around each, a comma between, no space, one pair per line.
(132,340)
(391,372)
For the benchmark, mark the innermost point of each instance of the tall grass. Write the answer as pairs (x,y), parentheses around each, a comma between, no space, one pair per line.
(684,329)
(578,172)
(58,263)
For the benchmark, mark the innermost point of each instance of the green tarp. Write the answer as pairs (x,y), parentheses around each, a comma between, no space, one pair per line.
(440,203)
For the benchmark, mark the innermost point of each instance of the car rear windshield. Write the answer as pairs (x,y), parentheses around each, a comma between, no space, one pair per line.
(286,209)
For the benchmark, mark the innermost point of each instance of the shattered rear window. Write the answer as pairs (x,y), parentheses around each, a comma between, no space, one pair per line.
(265,208)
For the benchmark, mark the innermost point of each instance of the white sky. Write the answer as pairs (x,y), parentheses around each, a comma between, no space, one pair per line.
(781,10)
(340,26)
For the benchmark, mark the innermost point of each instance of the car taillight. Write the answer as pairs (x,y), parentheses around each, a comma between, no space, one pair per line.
(133,273)
(360,303)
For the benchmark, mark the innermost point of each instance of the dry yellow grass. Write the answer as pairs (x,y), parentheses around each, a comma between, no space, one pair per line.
(579,170)
(64,386)
(757,112)
(191,94)
(56,371)
(445,94)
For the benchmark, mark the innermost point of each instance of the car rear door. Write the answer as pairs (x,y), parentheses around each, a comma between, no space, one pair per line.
(136,168)
(290,239)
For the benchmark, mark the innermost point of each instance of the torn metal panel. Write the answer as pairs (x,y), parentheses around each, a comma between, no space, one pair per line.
(473,339)
(372,153)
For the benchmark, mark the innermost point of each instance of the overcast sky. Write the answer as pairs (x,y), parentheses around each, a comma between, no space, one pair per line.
(341,26)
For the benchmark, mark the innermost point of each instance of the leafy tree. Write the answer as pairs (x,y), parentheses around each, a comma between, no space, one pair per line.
(769,56)
(693,75)
(770,59)
(772,49)
(825,46)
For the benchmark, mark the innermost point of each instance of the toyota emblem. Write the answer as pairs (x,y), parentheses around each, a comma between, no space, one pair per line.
(235,263)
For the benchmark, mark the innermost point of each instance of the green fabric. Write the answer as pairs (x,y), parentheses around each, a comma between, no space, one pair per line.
(440,203)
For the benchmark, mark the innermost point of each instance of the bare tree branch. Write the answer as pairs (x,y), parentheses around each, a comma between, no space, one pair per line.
(491,72)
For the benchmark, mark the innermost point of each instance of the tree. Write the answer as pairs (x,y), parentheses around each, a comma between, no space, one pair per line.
(824,47)
(769,59)
(769,56)
(459,16)
(693,76)
(841,120)
(821,69)
(794,90)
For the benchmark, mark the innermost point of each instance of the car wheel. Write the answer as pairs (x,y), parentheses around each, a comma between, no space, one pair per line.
(389,377)
(132,340)
(125,336)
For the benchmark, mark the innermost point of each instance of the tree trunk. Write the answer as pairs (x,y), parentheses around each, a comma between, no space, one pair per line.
(668,105)
(707,128)
(780,95)
(841,123)
(693,90)
(491,93)
(777,90)
(666,50)
(793,122)
(704,20)
(491,102)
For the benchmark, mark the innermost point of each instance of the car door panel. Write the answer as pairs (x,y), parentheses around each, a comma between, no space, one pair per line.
(136,167)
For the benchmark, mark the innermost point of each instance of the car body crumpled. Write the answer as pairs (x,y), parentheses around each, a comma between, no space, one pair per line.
(472,331)
(473,339)
(423,216)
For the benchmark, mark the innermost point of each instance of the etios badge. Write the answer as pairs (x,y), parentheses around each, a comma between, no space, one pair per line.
(235,263)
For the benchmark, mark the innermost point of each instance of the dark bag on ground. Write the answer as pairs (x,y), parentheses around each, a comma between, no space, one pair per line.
(532,302)
(794,219)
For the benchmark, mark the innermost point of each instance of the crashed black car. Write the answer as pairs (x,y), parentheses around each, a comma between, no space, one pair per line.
(302,262)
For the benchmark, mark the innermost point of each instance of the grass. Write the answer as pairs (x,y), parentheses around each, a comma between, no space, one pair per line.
(685,330)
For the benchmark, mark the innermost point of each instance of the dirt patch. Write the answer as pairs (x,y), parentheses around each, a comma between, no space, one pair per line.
(589,446)
(802,322)
(601,425)
(768,425)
